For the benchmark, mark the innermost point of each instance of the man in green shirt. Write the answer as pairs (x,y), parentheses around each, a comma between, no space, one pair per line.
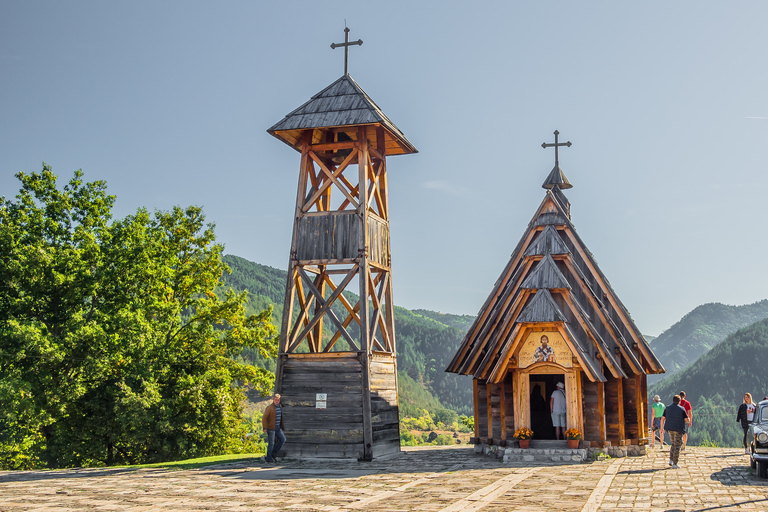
(657,409)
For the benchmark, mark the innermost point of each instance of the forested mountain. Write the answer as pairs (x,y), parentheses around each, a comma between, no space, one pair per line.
(699,331)
(715,384)
(426,340)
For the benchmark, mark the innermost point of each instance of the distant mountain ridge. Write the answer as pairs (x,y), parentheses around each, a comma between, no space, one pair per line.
(715,384)
(699,331)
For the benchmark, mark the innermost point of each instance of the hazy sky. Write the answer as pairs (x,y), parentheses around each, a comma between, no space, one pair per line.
(665,103)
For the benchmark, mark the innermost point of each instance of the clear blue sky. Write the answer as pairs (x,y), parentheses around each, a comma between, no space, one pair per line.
(665,103)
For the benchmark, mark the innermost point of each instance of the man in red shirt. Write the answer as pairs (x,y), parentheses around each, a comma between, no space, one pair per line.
(685,404)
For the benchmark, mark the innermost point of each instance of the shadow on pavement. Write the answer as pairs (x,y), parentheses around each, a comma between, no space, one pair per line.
(641,471)
(725,476)
(738,504)
(57,474)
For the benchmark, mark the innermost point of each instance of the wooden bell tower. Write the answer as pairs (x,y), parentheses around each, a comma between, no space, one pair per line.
(337,365)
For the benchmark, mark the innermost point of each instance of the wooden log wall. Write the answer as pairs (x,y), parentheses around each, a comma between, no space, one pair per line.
(337,430)
(509,410)
(592,409)
(328,236)
(612,420)
(629,393)
(378,241)
(482,410)
(494,412)
(384,408)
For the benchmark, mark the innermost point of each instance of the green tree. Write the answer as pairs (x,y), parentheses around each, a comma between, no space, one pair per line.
(114,345)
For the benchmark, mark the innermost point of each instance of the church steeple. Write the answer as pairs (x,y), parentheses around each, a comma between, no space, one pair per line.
(556,176)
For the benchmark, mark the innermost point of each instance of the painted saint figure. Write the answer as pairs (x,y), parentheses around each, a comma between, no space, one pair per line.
(544,352)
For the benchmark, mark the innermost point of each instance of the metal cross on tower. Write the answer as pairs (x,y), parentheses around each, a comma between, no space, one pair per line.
(556,145)
(346,44)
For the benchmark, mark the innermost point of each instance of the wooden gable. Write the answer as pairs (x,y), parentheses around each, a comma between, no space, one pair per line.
(553,279)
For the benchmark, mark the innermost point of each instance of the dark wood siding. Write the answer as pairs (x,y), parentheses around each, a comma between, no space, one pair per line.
(384,409)
(337,430)
(590,408)
(334,236)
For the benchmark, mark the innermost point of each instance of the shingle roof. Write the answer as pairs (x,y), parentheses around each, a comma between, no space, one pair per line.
(343,103)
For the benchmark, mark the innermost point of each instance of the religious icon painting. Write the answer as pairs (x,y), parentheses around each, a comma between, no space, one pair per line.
(544,347)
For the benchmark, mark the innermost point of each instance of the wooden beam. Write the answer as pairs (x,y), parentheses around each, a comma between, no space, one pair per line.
(475,397)
(641,399)
(365,335)
(601,411)
(620,399)
(489,408)
(573,400)
(502,412)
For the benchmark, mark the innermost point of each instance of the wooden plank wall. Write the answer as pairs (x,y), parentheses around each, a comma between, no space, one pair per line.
(378,240)
(495,414)
(329,236)
(590,409)
(612,408)
(482,409)
(336,431)
(509,408)
(335,236)
(384,409)
(631,430)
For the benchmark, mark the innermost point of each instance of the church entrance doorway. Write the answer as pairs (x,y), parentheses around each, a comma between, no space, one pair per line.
(542,386)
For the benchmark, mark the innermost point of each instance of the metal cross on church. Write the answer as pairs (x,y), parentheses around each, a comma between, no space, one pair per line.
(556,145)
(346,44)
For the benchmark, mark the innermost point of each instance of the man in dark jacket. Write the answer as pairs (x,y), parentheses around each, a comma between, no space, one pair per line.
(273,424)
(673,420)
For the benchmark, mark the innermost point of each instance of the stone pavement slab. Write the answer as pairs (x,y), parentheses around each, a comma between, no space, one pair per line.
(436,479)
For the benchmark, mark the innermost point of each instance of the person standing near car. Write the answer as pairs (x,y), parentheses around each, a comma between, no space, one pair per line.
(685,404)
(746,415)
(273,424)
(674,420)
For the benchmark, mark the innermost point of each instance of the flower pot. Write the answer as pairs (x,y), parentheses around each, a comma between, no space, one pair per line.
(524,443)
(573,443)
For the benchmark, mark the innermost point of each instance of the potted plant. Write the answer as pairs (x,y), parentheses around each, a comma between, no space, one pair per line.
(572,435)
(523,436)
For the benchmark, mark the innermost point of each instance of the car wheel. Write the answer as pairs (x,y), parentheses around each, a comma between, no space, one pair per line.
(762,469)
(752,462)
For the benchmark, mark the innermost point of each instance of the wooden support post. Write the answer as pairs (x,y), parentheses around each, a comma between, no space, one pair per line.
(489,402)
(502,412)
(573,400)
(620,400)
(365,291)
(522,383)
(477,414)
(641,399)
(601,410)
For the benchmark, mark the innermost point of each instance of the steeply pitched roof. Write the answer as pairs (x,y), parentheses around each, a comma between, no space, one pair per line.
(343,103)
(572,293)
(557,177)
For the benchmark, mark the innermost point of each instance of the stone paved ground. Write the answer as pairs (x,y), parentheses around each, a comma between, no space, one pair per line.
(432,479)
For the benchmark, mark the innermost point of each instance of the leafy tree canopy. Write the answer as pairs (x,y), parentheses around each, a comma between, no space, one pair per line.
(115,346)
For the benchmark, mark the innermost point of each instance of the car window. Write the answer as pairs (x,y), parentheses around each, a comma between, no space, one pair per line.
(763,418)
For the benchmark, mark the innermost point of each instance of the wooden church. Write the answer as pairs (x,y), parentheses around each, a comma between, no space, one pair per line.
(552,317)
(337,367)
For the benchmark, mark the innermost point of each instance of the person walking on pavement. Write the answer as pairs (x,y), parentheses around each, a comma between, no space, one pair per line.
(558,409)
(746,415)
(273,425)
(674,420)
(685,404)
(657,410)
